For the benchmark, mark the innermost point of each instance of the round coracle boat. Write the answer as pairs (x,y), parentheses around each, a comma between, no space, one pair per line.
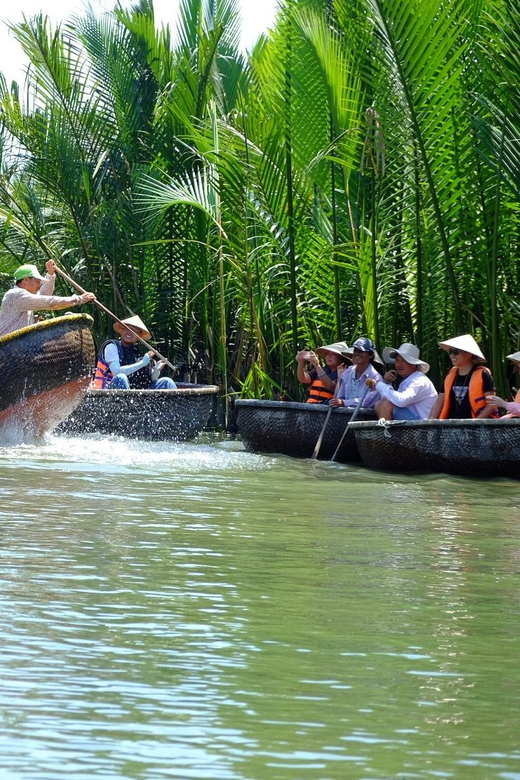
(154,415)
(291,428)
(472,448)
(46,369)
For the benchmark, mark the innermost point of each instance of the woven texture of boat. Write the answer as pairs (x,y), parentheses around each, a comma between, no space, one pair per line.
(45,369)
(154,415)
(291,428)
(473,448)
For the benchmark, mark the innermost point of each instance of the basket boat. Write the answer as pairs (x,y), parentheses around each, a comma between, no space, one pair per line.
(46,369)
(291,428)
(153,415)
(473,448)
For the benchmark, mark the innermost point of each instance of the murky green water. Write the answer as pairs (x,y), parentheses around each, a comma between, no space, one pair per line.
(194,611)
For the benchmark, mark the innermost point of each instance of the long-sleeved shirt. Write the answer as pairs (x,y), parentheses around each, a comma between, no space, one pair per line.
(19,305)
(513,408)
(112,358)
(352,387)
(415,393)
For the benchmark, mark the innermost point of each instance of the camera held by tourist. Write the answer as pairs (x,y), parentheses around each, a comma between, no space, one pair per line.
(321,370)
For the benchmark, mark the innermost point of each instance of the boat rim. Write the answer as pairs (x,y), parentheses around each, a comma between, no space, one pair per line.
(298,405)
(150,393)
(44,324)
(450,423)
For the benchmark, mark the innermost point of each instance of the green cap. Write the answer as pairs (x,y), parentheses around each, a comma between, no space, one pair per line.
(24,271)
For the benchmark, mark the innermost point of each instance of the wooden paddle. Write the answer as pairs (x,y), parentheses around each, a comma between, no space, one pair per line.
(317,448)
(353,417)
(111,314)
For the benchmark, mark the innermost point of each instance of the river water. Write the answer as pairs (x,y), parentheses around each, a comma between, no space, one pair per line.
(196,611)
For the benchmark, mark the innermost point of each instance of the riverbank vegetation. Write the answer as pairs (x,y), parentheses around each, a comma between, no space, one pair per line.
(356,174)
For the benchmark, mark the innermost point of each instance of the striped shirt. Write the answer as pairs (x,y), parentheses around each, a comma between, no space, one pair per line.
(19,305)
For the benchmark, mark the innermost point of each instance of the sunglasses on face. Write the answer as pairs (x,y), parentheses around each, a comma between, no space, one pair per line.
(454,352)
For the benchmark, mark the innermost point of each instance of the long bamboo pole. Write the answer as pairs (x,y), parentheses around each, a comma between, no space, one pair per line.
(111,314)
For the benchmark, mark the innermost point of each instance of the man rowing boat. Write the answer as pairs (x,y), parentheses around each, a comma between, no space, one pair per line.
(121,366)
(33,292)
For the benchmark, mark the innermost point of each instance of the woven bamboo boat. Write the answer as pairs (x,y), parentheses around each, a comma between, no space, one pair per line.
(46,369)
(473,448)
(291,428)
(153,415)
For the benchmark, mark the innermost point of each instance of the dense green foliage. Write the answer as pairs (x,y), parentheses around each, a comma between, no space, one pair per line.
(358,173)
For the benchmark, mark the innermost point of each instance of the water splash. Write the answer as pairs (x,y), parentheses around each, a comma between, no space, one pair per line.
(117,454)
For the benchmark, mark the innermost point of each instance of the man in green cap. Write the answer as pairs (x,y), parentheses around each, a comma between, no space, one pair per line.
(33,292)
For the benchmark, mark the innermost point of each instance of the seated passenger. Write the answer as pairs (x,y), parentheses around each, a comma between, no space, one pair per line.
(467,383)
(354,379)
(322,378)
(121,366)
(512,407)
(416,394)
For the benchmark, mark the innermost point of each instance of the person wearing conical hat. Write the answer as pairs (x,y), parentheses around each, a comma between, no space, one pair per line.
(512,407)
(121,366)
(416,394)
(466,384)
(34,292)
(354,379)
(321,373)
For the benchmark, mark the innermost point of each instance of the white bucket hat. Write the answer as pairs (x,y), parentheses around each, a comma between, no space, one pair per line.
(135,324)
(515,357)
(408,352)
(339,348)
(465,343)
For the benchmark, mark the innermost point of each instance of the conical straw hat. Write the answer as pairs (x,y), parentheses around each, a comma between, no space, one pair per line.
(465,343)
(339,348)
(134,323)
(515,357)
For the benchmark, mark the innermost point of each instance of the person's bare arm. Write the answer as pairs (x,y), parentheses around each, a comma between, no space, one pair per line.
(437,406)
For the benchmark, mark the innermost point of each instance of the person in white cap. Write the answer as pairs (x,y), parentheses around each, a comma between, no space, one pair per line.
(121,366)
(34,292)
(512,407)
(322,374)
(354,379)
(416,394)
(466,384)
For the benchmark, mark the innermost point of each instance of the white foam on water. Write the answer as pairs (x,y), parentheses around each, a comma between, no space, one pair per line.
(116,454)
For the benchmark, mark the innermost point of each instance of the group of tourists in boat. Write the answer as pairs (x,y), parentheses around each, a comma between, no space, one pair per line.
(339,375)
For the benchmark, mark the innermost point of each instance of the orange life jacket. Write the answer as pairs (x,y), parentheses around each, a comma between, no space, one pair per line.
(477,399)
(318,393)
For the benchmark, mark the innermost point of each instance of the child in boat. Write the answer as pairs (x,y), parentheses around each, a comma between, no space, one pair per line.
(121,366)
(355,379)
(322,376)
(512,407)
(467,384)
(34,292)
